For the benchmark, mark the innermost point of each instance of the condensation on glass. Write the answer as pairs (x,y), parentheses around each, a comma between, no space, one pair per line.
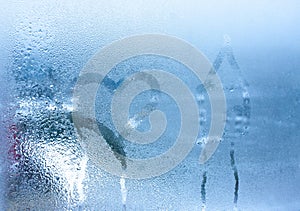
(46,44)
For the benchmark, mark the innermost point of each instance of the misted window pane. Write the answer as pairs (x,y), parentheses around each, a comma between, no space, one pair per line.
(161,105)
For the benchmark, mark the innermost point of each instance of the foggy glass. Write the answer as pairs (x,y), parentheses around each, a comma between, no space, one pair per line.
(254,48)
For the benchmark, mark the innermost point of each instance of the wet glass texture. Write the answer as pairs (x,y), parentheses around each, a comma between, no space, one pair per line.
(254,48)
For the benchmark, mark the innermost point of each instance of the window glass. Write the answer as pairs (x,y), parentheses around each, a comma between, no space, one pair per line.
(57,110)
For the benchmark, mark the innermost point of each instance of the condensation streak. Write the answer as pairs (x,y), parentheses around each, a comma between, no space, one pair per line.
(241,113)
